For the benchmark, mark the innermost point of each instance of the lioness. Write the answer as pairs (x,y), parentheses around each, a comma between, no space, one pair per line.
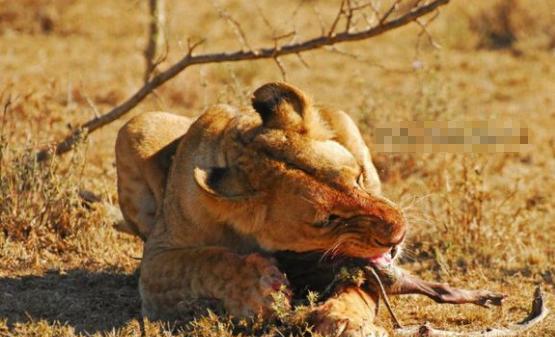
(212,198)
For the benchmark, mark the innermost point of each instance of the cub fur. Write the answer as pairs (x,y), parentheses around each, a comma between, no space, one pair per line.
(212,198)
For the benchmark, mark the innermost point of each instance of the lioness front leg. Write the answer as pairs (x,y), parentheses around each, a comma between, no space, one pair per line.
(349,313)
(244,284)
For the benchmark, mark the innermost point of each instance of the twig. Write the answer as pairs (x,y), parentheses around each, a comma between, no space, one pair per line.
(338,16)
(424,31)
(6,107)
(235,25)
(156,36)
(276,38)
(296,10)
(349,15)
(281,68)
(319,17)
(396,323)
(375,11)
(358,7)
(241,55)
(302,60)
(358,58)
(389,11)
(96,113)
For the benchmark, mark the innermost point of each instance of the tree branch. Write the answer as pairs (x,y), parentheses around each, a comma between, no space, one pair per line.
(156,37)
(242,55)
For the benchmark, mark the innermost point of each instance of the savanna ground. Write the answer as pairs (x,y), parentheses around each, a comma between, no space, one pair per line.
(478,221)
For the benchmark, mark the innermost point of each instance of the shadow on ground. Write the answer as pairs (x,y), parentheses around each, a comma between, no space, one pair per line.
(88,301)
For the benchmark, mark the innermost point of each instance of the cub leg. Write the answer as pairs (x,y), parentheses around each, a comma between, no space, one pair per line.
(350,312)
(244,284)
(144,149)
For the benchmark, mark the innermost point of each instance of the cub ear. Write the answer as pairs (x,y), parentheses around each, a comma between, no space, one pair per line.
(281,106)
(223,183)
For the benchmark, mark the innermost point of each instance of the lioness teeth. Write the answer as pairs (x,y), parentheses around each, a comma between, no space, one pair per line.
(381,260)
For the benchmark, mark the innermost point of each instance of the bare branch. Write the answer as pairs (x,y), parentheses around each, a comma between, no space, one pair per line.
(358,58)
(389,11)
(242,37)
(424,31)
(263,53)
(93,106)
(156,37)
(349,16)
(319,17)
(281,68)
(264,18)
(7,106)
(375,11)
(191,46)
(302,60)
(338,16)
(362,6)
(275,37)
(297,9)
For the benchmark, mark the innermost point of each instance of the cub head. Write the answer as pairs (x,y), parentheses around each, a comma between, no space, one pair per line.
(300,178)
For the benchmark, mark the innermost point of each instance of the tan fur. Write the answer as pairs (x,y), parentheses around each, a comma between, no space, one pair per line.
(349,313)
(143,153)
(243,183)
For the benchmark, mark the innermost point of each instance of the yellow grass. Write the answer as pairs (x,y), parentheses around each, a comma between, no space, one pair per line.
(478,221)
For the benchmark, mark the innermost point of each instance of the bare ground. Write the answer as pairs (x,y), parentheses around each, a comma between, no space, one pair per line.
(478,221)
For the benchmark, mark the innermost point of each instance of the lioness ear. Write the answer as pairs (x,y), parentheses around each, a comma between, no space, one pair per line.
(222,182)
(281,106)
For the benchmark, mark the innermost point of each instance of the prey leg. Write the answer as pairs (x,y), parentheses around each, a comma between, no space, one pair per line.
(442,292)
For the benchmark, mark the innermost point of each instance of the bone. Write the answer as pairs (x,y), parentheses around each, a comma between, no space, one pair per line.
(537,313)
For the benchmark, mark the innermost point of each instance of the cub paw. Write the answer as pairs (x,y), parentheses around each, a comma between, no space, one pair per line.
(260,285)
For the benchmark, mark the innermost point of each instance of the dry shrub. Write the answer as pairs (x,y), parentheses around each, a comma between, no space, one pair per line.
(290,323)
(39,202)
(31,16)
(495,26)
(468,218)
(463,195)
(504,24)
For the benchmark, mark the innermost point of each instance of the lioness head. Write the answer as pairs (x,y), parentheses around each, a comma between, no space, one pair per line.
(300,178)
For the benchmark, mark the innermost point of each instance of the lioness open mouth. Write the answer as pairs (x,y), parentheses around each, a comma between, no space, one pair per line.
(382,260)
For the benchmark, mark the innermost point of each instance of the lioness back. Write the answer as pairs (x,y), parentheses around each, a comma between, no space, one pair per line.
(144,149)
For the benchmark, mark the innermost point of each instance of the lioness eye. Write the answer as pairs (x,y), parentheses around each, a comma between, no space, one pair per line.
(330,220)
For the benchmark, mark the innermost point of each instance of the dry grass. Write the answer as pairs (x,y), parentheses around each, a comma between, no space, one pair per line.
(477,221)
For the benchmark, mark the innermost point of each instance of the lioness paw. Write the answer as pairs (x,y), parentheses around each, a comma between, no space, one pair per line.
(327,323)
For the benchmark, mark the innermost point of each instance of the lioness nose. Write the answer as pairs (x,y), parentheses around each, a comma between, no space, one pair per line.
(391,225)
(393,242)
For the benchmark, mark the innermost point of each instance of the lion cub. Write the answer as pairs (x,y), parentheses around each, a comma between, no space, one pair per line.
(212,198)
